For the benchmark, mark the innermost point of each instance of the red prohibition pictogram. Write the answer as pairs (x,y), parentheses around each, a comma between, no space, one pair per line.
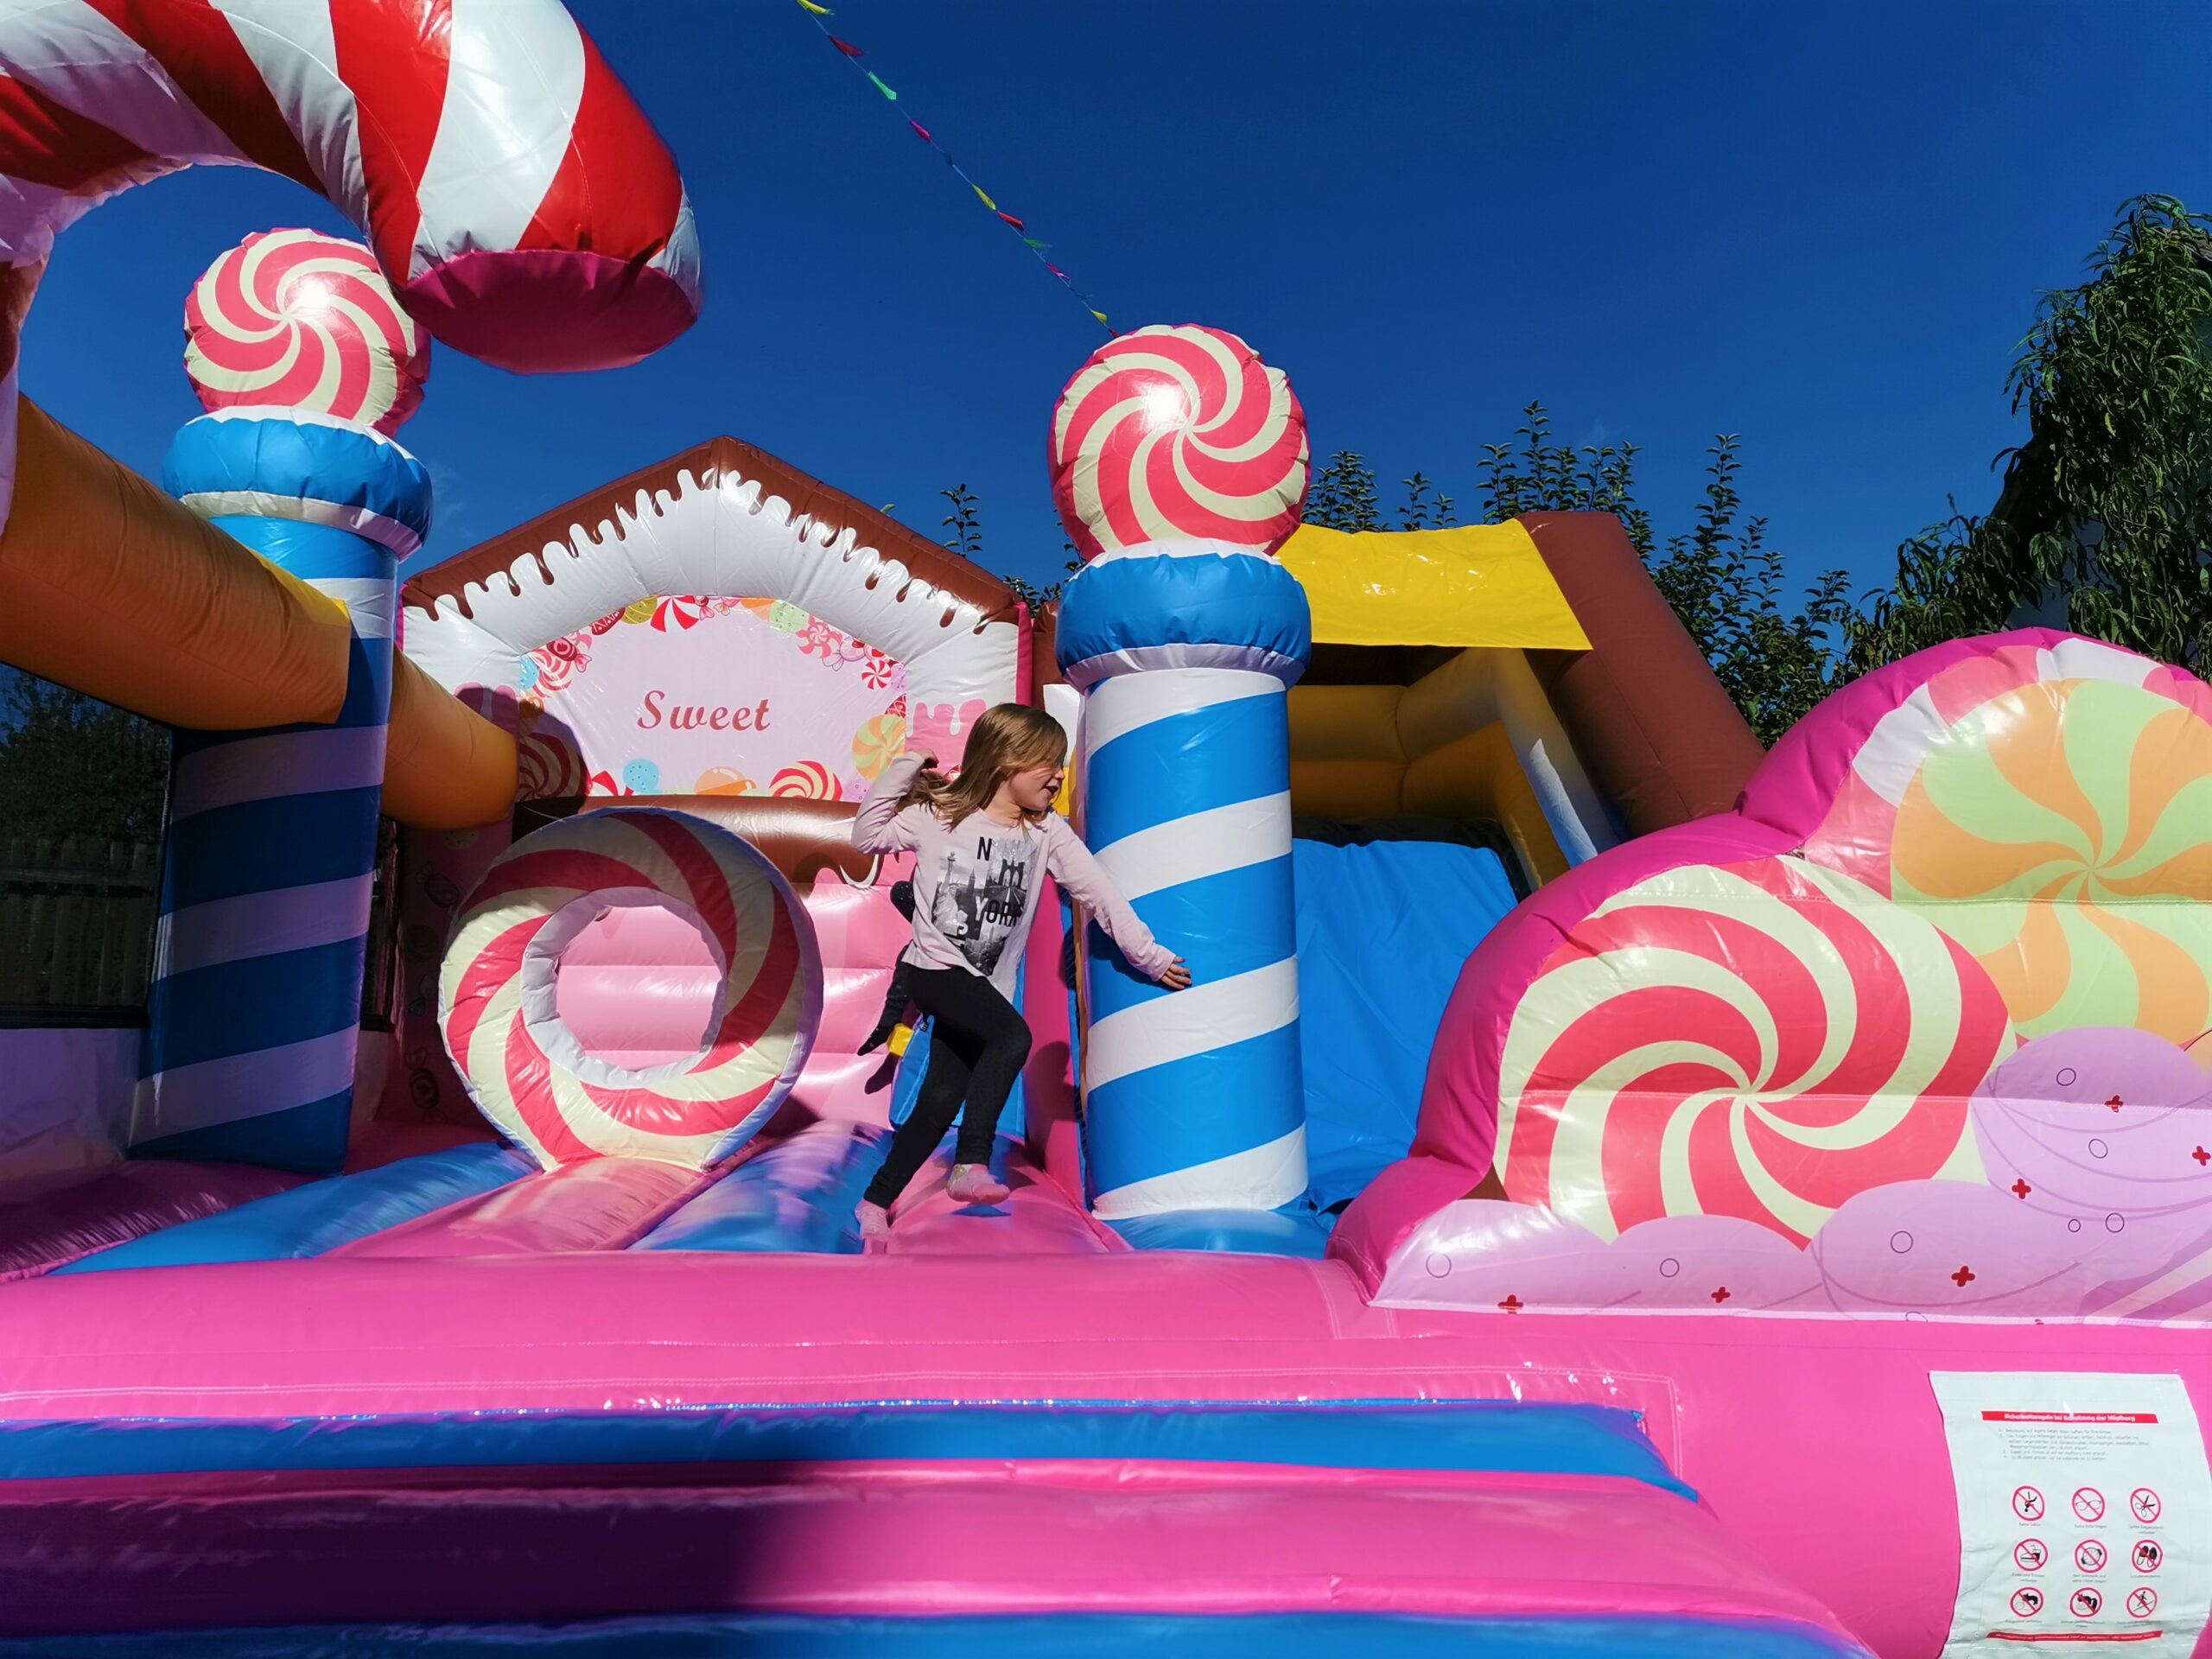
(2142,1602)
(2027,1504)
(2089,1556)
(2149,1556)
(2087,1602)
(2143,1504)
(2088,1504)
(2032,1556)
(2027,1602)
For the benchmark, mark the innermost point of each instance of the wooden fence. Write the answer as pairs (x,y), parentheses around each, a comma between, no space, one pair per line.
(76,926)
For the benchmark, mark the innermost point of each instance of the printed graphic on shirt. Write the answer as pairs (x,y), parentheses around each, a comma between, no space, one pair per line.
(983,887)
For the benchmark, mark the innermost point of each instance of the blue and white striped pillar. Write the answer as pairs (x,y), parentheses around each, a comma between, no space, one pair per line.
(1194,1099)
(254,1016)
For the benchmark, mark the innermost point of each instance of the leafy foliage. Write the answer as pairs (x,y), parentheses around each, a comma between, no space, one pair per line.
(964,521)
(2108,502)
(1541,476)
(72,766)
(1426,507)
(1343,495)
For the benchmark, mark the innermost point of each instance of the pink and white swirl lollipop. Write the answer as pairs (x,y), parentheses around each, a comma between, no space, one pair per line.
(298,320)
(1174,435)
(530,1074)
(1763,1039)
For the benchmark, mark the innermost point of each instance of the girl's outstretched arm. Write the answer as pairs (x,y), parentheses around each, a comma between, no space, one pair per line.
(1074,868)
(881,826)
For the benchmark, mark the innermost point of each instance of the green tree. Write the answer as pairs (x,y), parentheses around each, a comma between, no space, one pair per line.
(1426,507)
(2107,505)
(1343,495)
(964,521)
(72,766)
(1538,475)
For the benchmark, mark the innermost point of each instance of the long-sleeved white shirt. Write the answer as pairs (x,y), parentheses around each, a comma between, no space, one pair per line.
(976,887)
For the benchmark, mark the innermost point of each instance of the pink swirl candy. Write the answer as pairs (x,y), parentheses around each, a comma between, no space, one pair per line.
(297,320)
(1178,433)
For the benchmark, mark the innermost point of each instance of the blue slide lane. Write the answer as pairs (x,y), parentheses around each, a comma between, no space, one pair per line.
(1384,929)
(1294,1231)
(322,1215)
(797,1195)
(1502,1436)
(1053,1635)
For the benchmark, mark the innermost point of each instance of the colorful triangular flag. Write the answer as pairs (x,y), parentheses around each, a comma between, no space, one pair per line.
(921,131)
(880,87)
(985,199)
(847,48)
(819,11)
(1012,221)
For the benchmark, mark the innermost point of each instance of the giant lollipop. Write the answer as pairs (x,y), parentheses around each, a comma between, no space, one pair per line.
(296,320)
(1178,464)
(1178,433)
(1763,1039)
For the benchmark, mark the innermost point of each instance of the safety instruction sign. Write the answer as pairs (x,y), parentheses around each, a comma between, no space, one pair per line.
(2085,1514)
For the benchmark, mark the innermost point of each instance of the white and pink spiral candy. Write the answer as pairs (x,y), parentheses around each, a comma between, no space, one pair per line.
(297,320)
(1178,433)
(529,1074)
(517,199)
(1764,1039)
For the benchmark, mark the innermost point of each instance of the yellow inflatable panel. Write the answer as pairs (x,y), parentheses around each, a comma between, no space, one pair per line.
(445,766)
(113,588)
(1478,585)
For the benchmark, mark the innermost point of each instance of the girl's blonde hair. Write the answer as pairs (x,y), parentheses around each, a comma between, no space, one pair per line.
(1007,739)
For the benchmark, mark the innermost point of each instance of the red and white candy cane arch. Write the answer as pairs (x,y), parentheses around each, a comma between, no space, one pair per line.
(518,200)
(528,1073)
(726,520)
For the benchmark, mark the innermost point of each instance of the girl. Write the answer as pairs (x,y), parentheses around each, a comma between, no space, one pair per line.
(979,843)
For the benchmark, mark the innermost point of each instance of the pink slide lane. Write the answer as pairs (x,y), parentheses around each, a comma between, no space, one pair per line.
(905,1539)
(601,1204)
(1037,1217)
(1847,1492)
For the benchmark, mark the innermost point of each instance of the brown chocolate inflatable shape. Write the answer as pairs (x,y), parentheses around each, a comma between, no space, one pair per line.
(1661,738)
(801,837)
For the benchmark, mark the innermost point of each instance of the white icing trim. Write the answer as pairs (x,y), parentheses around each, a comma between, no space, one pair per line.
(718,534)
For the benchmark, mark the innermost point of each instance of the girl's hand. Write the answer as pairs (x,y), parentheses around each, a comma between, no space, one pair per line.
(1177,977)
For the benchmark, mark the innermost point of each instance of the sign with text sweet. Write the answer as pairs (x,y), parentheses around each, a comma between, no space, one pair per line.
(689,694)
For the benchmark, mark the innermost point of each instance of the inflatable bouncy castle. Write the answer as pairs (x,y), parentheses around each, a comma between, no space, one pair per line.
(1608,1190)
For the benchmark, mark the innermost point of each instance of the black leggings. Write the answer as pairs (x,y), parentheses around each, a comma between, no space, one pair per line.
(978,1045)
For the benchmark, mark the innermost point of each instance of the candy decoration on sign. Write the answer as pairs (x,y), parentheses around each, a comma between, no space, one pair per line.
(876,743)
(548,768)
(1178,433)
(809,780)
(722,780)
(297,320)
(529,1075)
(1762,1039)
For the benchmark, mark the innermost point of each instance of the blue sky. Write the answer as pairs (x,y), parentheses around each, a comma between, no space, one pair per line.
(1821,226)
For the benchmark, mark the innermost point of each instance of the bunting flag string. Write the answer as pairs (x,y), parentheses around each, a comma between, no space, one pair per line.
(853,54)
